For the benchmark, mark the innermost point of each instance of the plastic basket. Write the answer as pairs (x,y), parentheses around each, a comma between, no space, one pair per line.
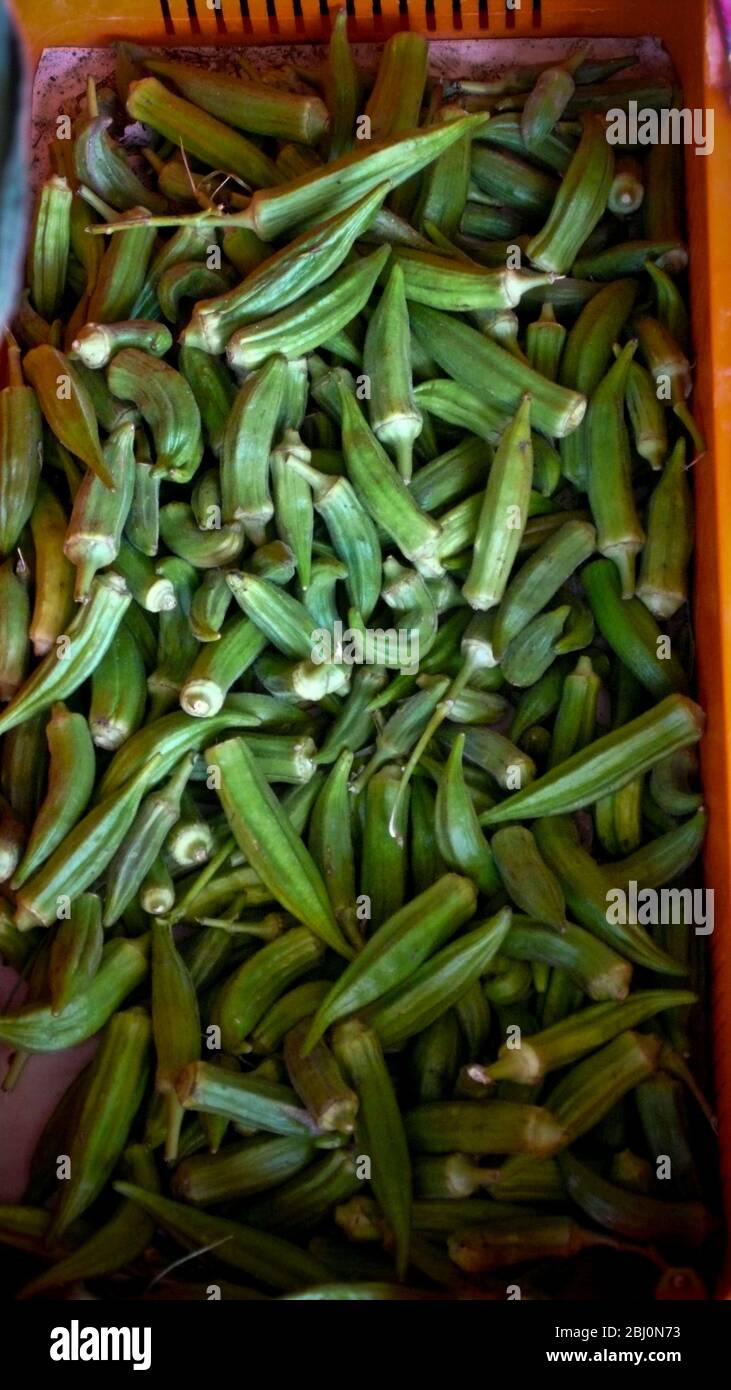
(692,37)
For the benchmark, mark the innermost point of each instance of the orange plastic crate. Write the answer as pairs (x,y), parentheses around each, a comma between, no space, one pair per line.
(690,34)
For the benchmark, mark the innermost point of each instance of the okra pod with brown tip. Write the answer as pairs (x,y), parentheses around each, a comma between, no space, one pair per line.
(319,1082)
(479,1250)
(587,1092)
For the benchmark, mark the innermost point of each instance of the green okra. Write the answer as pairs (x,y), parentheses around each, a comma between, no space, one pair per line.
(293,507)
(579,203)
(672,783)
(219,665)
(351,729)
(34,1028)
(111,1101)
(456,405)
(539,579)
(157,890)
(492,373)
(459,839)
(663,581)
(280,617)
(175,1026)
(539,701)
(352,533)
(286,1013)
(530,883)
(402,730)
(630,257)
(319,1083)
(466,1126)
(209,606)
(255,986)
(586,357)
(581,1033)
(312,319)
(151,591)
(587,1092)
(82,855)
(48,248)
(247,444)
(121,272)
(142,842)
(265,834)
(199,133)
(331,846)
(443,283)
(434,1058)
(176,645)
(243,1170)
(302,1202)
(14,627)
(589,888)
(208,549)
(384,863)
(633,1215)
(513,182)
(251,106)
(70,782)
(66,406)
(629,627)
(384,494)
(619,533)
(246,1099)
(503,515)
(380,1128)
(118,1242)
(575,718)
(608,764)
(76,951)
(341,88)
(168,406)
(100,165)
(496,755)
(268,1258)
(531,653)
(394,416)
(214,391)
(118,692)
(647,416)
(96,343)
(142,527)
(544,343)
(547,102)
(598,971)
(53,603)
(189,280)
(98,517)
(452,475)
(398,948)
(440,983)
(284,276)
(478,1250)
(445,184)
(76,654)
(671,310)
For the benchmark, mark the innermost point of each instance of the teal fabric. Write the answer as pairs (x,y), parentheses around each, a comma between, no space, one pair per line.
(14,116)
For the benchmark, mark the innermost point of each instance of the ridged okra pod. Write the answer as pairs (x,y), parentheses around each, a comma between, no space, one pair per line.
(587,1092)
(252,989)
(319,1082)
(112,1098)
(66,406)
(70,781)
(48,250)
(76,951)
(460,841)
(632,632)
(265,834)
(503,515)
(97,520)
(397,948)
(200,134)
(258,107)
(394,415)
(579,203)
(586,357)
(611,498)
(118,692)
(539,579)
(607,764)
(53,603)
(246,448)
(663,581)
(143,841)
(76,654)
(21,451)
(34,1028)
(168,406)
(380,1129)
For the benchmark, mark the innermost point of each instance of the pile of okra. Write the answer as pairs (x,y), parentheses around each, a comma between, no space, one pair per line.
(345,522)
